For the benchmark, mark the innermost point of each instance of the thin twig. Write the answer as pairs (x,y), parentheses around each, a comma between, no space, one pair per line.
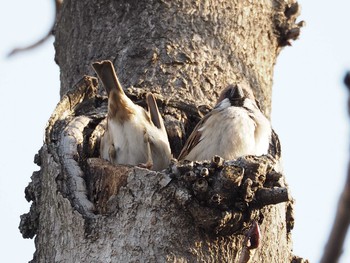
(341,223)
(43,39)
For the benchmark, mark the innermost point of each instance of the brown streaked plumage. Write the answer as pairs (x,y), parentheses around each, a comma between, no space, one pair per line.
(234,128)
(133,135)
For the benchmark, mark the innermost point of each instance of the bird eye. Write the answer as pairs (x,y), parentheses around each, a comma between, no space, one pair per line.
(240,92)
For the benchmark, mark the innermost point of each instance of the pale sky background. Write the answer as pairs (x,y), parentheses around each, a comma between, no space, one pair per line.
(308,112)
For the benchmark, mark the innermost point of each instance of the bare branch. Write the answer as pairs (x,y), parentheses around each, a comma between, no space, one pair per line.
(341,223)
(42,40)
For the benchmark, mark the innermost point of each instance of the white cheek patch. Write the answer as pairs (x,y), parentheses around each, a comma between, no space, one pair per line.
(223,104)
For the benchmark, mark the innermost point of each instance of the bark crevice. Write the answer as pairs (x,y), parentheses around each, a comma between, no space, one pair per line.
(184,52)
(220,199)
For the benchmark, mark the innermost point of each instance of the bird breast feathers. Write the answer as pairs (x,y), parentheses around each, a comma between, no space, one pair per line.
(230,131)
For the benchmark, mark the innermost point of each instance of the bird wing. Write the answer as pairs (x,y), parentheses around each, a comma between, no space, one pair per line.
(156,118)
(149,163)
(107,149)
(194,138)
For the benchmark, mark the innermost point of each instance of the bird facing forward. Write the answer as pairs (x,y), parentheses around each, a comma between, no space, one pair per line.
(234,128)
(133,135)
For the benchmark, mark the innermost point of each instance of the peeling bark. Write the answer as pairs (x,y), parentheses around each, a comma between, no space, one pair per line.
(86,210)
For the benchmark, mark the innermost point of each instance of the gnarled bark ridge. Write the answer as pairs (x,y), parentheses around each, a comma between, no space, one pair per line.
(86,210)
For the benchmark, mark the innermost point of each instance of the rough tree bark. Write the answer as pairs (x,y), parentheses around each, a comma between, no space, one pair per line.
(86,210)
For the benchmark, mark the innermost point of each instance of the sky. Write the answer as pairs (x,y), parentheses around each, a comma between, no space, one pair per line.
(308,113)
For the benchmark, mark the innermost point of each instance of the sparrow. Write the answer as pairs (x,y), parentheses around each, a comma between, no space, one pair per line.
(235,127)
(133,135)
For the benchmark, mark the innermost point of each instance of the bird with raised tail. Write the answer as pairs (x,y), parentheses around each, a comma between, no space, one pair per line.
(133,135)
(235,127)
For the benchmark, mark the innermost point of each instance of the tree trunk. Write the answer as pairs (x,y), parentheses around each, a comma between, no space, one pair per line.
(185,52)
